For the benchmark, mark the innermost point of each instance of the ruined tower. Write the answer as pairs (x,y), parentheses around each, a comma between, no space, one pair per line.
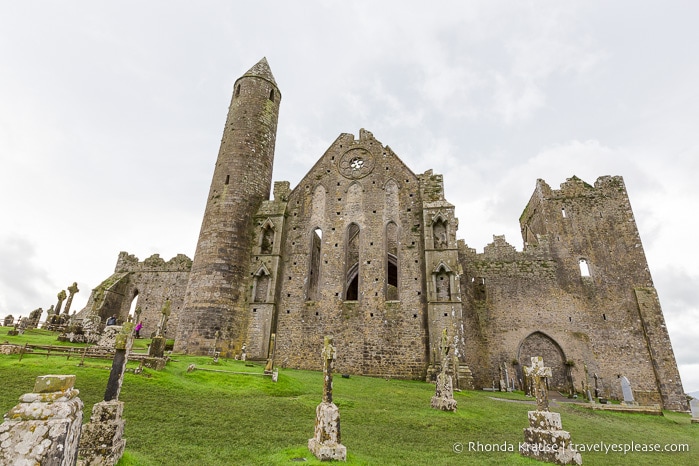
(215,301)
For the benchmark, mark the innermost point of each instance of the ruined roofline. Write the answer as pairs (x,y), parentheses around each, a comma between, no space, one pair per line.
(130,263)
(364,135)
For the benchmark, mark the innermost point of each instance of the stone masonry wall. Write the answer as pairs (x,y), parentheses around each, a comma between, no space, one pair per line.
(373,334)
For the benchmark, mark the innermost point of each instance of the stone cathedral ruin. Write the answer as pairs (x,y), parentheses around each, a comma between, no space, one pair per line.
(366,250)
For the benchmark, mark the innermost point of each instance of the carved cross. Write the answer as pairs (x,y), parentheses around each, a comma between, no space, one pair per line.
(329,355)
(539,373)
(444,348)
(71,291)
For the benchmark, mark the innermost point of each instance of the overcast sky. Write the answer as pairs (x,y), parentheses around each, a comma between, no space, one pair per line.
(111,114)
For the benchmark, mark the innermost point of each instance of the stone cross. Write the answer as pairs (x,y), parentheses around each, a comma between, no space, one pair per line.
(270,354)
(165,313)
(124,340)
(61,297)
(444,348)
(329,355)
(72,289)
(538,373)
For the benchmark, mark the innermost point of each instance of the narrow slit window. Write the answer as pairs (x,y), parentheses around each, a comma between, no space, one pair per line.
(352,263)
(271,95)
(584,268)
(314,270)
(563,212)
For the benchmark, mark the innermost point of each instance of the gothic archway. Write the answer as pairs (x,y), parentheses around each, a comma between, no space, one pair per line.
(540,344)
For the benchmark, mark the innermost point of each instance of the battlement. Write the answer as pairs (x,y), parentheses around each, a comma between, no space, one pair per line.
(130,263)
(431,186)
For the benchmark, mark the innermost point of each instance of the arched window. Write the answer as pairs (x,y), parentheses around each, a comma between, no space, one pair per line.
(314,268)
(584,268)
(352,263)
(392,262)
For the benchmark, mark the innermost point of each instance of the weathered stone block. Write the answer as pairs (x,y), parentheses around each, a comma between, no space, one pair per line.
(53,383)
(44,428)
(325,444)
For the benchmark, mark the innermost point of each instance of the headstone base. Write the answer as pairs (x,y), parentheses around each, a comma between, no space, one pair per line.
(44,428)
(102,440)
(695,420)
(157,364)
(443,398)
(157,347)
(325,444)
(545,440)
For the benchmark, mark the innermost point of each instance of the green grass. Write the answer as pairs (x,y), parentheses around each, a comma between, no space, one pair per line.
(176,417)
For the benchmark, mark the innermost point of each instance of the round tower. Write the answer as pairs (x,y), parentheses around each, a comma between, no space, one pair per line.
(214,306)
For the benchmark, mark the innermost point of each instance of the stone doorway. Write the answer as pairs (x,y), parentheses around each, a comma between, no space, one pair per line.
(540,344)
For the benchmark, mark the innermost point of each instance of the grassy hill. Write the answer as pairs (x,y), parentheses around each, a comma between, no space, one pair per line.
(187,418)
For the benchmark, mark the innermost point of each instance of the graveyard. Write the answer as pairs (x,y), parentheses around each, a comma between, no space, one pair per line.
(230,412)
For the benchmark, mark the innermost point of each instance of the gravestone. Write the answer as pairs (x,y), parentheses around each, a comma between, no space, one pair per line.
(61,297)
(694,406)
(545,439)
(158,342)
(627,392)
(44,428)
(9,320)
(325,444)
(443,398)
(270,354)
(71,291)
(102,442)
(34,317)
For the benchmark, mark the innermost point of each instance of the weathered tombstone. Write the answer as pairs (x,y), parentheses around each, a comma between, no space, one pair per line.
(9,320)
(501,384)
(102,441)
(507,377)
(157,343)
(694,406)
(49,317)
(243,354)
(72,289)
(597,390)
(34,316)
(443,398)
(325,444)
(627,392)
(545,439)
(270,354)
(44,428)
(61,297)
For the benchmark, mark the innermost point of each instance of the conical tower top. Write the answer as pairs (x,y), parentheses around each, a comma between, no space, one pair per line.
(262,70)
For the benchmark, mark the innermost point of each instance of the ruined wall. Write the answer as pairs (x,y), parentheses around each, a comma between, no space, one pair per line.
(592,313)
(378,330)
(151,282)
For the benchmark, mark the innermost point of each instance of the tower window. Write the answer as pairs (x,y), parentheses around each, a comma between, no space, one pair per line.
(228,178)
(237,90)
(584,268)
(271,95)
(563,212)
